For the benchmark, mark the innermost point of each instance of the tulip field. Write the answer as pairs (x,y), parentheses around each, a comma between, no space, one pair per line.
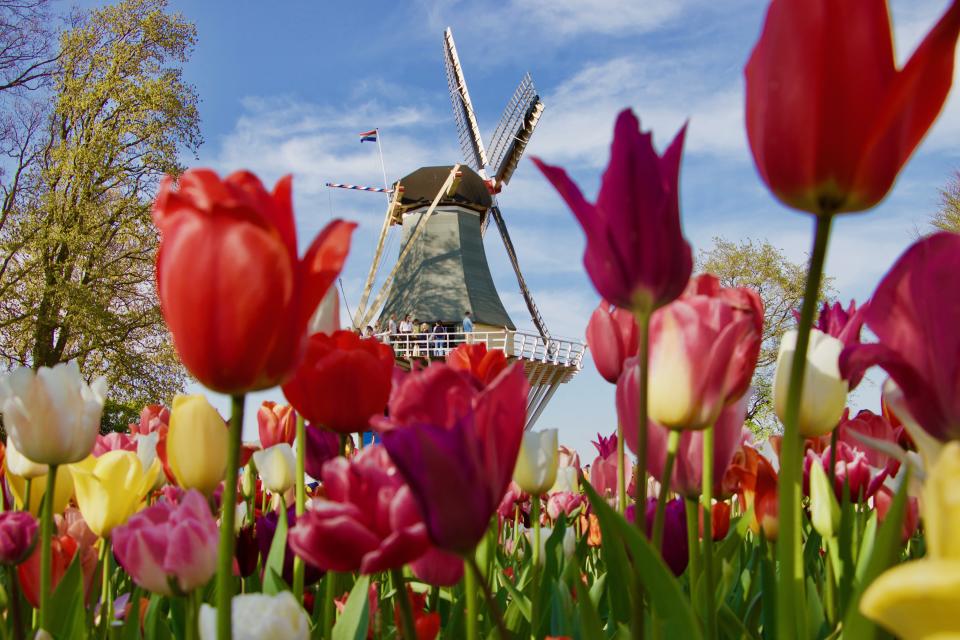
(457,523)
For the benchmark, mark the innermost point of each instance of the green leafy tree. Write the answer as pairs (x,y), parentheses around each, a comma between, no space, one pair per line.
(948,216)
(76,239)
(761,266)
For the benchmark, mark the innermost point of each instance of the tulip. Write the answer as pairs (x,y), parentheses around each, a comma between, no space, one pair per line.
(169,549)
(824,510)
(111,488)
(513,498)
(153,417)
(368,522)
(612,338)
(851,470)
(113,442)
(536,468)
(266,528)
(256,616)
(755,482)
(19,465)
(247,552)
(228,250)
(883,500)
(484,365)
(456,445)
(18,535)
(438,568)
(564,503)
(830,119)
(71,523)
(151,433)
(196,445)
(567,457)
(824,390)
(63,550)
(912,313)
(675,550)
(636,255)
(603,471)
(322,445)
(867,423)
(703,350)
(686,478)
(568,544)
(62,492)
(326,318)
(52,415)
(277,467)
(342,382)
(719,520)
(918,599)
(277,423)
(568,480)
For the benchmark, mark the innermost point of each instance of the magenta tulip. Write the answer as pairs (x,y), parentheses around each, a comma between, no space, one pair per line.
(915,313)
(456,443)
(612,337)
(168,548)
(438,568)
(869,424)
(636,254)
(850,468)
(603,471)
(18,534)
(675,552)
(322,446)
(266,528)
(368,522)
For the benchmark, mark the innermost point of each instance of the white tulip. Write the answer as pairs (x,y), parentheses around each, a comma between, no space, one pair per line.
(19,465)
(536,468)
(258,616)
(52,415)
(568,481)
(326,317)
(277,466)
(824,391)
(569,541)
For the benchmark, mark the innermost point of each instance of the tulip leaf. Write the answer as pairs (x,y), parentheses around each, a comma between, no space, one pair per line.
(620,584)
(273,570)
(353,622)
(518,598)
(131,625)
(885,552)
(155,624)
(67,601)
(662,588)
(590,625)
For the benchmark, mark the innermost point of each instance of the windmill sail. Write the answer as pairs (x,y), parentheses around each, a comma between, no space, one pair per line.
(512,254)
(512,133)
(467,130)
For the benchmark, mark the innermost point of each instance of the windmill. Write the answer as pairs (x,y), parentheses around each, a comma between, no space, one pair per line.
(442,271)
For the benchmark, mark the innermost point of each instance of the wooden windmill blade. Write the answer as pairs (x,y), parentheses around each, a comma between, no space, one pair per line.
(468,132)
(513,132)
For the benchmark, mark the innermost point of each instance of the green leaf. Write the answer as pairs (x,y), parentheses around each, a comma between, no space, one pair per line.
(590,625)
(155,624)
(272,571)
(619,583)
(69,619)
(662,588)
(355,619)
(131,626)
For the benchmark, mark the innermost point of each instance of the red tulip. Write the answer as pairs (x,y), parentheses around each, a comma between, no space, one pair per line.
(703,350)
(438,567)
(277,423)
(368,522)
(755,482)
(456,444)
(883,500)
(612,337)
(636,255)
(62,550)
(830,118)
(483,364)
(915,313)
(342,382)
(233,293)
(719,520)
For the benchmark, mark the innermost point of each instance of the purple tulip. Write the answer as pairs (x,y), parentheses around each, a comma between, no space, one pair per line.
(675,552)
(438,568)
(322,445)
(266,528)
(18,534)
(636,254)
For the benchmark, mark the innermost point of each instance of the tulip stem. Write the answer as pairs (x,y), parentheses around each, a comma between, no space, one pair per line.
(106,600)
(535,569)
(832,471)
(406,612)
(673,445)
(693,546)
(621,472)
(46,529)
(492,606)
(228,514)
(26,492)
(14,602)
(298,567)
(470,594)
(706,497)
(790,592)
(192,619)
(643,346)
(329,603)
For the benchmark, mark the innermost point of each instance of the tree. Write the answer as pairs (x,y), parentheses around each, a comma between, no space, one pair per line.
(77,242)
(780,283)
(948,217)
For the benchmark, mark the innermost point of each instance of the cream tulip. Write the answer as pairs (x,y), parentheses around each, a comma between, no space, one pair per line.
(197,444)
(19,465)
(61,493)
(536,468)
(824,391)
(257,616)
(277,466)
(52,415)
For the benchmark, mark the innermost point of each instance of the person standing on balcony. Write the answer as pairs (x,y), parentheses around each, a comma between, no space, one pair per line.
(436,337)
(406,328)
(467,326)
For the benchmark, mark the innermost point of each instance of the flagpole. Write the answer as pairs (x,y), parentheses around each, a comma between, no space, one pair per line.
(382,168)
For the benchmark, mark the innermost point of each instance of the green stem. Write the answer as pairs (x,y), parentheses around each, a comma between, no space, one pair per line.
(832,471)
(621,472)
(693,547)
(492,606)
(192,618)
(406,612)
(14,602)
(790,591)
(228,514)
(298,566)
(470,594)
(673,445)
(106,597)
(643,347)
(329,608)
(535,569)
(27,492)
(706,501)
(46,529)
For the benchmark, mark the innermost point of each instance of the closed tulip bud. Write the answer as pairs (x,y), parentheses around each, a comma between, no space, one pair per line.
(536,468)
(824,390)
(18,534)
(612,337)
(111,488)
(18,464)
(256,616)
(197,444)
(277,423)
(277,467)
(824,510)
(52,415)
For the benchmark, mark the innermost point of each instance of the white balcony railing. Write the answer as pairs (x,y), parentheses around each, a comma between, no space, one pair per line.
(518,344)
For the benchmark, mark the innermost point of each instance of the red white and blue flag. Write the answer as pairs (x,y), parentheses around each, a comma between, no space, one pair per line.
(369,136)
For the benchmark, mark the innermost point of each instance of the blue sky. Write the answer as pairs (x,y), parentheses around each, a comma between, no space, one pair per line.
(286,90)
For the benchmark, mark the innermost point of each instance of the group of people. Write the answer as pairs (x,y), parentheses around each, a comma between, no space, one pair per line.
(414,338)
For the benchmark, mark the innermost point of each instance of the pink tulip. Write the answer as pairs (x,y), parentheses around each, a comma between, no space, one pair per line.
(703,350)
(603,471)
(869,424)
(153,417)
(513,498)
(883,500)
(277,423)
(915,313)
(369,521)
(567,457)
(113,441)
(18,534)
(612,337)
(564,503)
(169,549)
(636,254)
(850,468)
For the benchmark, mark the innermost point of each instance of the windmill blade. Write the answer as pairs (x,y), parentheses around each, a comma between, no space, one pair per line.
(512,254)
(513,131)
(467,130)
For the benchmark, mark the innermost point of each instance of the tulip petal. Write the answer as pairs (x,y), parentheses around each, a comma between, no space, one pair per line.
(916,600)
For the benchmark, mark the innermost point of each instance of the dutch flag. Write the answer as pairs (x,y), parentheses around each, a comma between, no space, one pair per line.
(369,136)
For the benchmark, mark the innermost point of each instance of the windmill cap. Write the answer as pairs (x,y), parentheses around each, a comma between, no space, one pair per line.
(421,186)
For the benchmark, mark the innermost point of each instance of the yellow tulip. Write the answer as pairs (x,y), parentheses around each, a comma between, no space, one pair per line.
(918,600)
(111,488)
(197,444)
(61,493)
